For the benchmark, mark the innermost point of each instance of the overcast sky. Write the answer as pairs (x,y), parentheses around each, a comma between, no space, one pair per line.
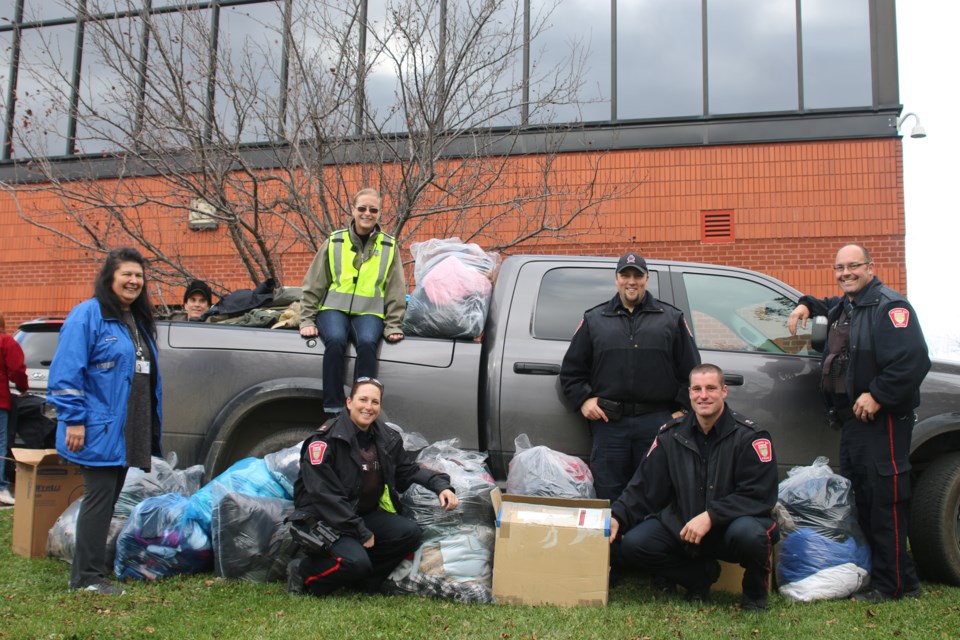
(929,49)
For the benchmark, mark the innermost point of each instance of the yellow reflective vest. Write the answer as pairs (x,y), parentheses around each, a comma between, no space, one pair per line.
(358,291)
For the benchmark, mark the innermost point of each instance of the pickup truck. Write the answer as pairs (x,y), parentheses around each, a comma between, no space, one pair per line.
(232,392)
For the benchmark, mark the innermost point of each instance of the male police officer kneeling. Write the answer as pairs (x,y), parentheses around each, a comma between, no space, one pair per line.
(704,492)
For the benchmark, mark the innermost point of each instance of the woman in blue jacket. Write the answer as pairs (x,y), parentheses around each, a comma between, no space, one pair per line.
(105,384)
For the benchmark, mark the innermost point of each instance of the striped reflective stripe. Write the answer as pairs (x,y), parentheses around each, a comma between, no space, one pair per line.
(896,500)
(106,365)
(66,392)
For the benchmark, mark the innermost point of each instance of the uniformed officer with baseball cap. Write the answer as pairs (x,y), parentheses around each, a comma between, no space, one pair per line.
(626,371)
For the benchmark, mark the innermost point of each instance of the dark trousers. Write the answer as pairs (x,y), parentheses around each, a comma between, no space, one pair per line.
(336,328)
(746,541)
(618,448)
(101,488)
(349,564)
(875,457)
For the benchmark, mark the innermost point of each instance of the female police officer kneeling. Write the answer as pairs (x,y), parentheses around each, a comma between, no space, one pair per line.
(350,472)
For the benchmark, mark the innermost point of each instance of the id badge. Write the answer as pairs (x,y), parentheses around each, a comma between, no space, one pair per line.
(142,366)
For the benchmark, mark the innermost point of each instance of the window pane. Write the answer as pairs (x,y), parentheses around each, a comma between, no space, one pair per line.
(659,59)
(36,10)
(323,69)
(108,85)
(176,88)
(43,92)
(734,314)
(752,64)
(561,303)
(570,57)
(248,72)
(6,52)
(836,53)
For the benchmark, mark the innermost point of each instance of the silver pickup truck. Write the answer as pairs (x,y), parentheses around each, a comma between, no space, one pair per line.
(231,392)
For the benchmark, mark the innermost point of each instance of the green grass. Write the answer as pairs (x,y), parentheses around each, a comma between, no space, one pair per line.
(35,603)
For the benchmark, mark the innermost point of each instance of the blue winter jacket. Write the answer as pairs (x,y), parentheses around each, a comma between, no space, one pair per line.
(90,381)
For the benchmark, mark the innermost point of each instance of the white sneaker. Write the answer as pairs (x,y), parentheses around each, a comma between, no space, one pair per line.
(6,497)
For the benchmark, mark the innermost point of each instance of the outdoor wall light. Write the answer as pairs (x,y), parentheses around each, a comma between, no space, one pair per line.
(918,131)
(202,215)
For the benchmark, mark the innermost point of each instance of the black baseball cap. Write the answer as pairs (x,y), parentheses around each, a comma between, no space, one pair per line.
(632,261)
(201,287)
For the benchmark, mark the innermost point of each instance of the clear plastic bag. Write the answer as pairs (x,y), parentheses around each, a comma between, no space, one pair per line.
(249,476)
(62,538)
(160,540)
(452,295)
(162,478)
(823,553)
(541,471)
(247,534)
(471,480)
(284,465)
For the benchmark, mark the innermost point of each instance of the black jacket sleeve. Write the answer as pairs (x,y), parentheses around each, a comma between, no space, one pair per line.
(649,491)
(819,306)
(576,367)
(409,472)
(686,356)
(901,355)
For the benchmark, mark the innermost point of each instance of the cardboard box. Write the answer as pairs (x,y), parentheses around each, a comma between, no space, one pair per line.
(46,485)
(551,551)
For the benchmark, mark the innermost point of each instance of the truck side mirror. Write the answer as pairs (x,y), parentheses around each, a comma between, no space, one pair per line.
(818,334)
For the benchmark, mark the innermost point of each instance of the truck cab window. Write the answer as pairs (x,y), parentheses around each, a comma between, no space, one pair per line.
(736,314)
(565,293)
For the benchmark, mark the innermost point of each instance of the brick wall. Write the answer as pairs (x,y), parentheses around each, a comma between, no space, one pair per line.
(793,205)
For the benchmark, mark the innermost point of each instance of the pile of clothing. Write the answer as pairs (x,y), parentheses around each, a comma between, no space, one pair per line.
(452,294)
(823,553)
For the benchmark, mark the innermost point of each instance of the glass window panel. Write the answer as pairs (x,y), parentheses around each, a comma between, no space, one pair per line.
(6,52)
(736,314)
(108,85)
(7,11)
(323,75)
(386,55)
(248,73)
(36,10)
(43,92)
(836,53)
(560,302)
(176,87)
(752,64)
(572,48)
(659,59)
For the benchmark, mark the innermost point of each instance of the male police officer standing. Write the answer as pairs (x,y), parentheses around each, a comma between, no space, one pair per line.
(626,369)
(873,365)
(704,491)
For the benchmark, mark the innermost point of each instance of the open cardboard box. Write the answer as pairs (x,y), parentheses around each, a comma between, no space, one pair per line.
(551,550)
(46,485)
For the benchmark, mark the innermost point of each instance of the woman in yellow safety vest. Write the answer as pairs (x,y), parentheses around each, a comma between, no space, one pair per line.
(354,289)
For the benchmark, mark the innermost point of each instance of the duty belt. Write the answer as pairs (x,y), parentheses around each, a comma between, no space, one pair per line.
(633,408)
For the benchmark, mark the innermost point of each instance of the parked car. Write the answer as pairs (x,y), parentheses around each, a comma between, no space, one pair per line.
(38,339)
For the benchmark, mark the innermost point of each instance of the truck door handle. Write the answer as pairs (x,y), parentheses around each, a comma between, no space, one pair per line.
(733,379)
(536,368)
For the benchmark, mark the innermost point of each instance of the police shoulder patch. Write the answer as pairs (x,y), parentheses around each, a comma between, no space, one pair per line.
(764,449)
(900,317)
(316,451)
(653,446)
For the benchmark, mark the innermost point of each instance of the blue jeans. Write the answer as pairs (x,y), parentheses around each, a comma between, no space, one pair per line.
(4,421)
(336,328)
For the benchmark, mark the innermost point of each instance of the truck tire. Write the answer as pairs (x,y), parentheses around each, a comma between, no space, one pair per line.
(935,521)
(279,440)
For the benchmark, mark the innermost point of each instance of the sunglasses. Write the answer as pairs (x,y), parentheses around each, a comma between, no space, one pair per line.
(364,208)
(366,380)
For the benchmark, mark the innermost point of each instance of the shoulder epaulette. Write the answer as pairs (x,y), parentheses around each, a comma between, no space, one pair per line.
(747,422)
